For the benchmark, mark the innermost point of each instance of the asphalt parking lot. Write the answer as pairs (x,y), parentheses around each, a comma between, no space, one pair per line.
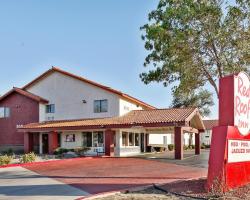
(76,178)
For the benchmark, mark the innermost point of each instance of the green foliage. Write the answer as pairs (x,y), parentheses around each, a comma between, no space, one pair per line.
(5,160)
(170,147)
(81,150)
(191,146)
(192,43)
(60,151)
(9,152)
(203,146)
(202,100)
(27,158)
(185,147)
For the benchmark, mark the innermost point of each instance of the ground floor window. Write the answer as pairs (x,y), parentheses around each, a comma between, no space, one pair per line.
(124,139)
(136,139)
(93,139)
(130,139)
(70,138)
(87,139)
(98,139)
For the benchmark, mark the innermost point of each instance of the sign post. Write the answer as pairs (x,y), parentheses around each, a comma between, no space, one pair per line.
(229,161)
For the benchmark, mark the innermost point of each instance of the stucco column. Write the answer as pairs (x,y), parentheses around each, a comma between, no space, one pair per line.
(53,142)
(28,142)
(109,142)
(197,144)
(178,143)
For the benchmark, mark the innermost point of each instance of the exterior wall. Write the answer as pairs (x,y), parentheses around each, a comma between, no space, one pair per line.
(42,116)
(22,111)
(206,137)
(121,150)
(71,145)
(125,107)
(160,140)
(68,94)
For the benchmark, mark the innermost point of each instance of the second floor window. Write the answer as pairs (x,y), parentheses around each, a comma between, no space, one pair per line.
(101,106)
(50,108)
(4,112)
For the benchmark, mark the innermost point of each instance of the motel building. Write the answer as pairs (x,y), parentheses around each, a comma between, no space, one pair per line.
(60,109)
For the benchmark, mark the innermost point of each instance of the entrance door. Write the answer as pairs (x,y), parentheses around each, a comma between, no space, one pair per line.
(142,142)
(45,143)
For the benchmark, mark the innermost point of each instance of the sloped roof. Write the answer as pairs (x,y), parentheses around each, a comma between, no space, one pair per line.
(119,93)
(26,94)
(209,124)
(146,118)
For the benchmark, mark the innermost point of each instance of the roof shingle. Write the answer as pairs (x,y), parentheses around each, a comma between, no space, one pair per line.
(136,117)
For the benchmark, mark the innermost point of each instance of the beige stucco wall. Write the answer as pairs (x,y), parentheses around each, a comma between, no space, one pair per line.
(68,94)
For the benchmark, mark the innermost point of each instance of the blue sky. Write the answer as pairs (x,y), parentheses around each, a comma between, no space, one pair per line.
(99,40)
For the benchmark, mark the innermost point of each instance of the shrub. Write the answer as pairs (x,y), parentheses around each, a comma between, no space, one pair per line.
(207,146)
(81,150)
(60,151)
(170,147)
(9,152)
(5,160)
(191,146)
(203,146)
(27,158)
(185,147)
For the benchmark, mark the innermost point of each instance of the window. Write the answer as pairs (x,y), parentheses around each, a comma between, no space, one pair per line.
(136,139)
(70,138)
(124,139)
(131,139)
(50,108)
(87,139)
(4,112)
(101,106)
(98,139)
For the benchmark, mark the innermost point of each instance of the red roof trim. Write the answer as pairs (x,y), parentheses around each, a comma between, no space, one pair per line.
(24,93)
(55,69)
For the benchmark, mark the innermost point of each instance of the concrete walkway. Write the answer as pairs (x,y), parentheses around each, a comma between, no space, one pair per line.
(23,184)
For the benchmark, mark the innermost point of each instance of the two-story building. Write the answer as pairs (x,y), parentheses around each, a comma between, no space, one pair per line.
(62,109)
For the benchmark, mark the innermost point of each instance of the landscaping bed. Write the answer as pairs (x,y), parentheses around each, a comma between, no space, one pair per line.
(192,189)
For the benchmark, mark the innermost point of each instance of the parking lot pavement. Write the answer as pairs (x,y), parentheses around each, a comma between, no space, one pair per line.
(23,184)
(99,175)
(190,159)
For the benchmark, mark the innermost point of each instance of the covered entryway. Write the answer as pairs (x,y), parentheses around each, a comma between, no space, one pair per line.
(128,133)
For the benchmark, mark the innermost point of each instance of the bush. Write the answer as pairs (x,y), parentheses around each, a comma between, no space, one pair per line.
(9,152)
(60,151)
(207,146)
(185,147)
(5,160)
(170,147)
(191,146)
(81,150)
(27,158)
(203,146)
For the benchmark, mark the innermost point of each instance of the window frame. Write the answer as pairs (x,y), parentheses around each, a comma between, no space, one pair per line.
(6,112)
(50,108)
(101,107)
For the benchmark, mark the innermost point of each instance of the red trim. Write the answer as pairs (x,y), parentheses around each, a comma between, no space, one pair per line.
(146,125)
(26,94)
(55,69)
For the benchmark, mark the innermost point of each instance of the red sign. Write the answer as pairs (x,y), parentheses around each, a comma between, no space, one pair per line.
(242,103)
(229,161)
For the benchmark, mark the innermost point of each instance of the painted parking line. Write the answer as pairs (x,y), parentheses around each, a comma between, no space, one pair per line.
(23,184)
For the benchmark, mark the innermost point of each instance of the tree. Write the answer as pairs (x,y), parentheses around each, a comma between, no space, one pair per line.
(195,42)
(201,99)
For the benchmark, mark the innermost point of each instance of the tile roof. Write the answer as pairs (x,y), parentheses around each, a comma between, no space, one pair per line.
(209,124)
(119,93)
(24,93)
(133,118)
